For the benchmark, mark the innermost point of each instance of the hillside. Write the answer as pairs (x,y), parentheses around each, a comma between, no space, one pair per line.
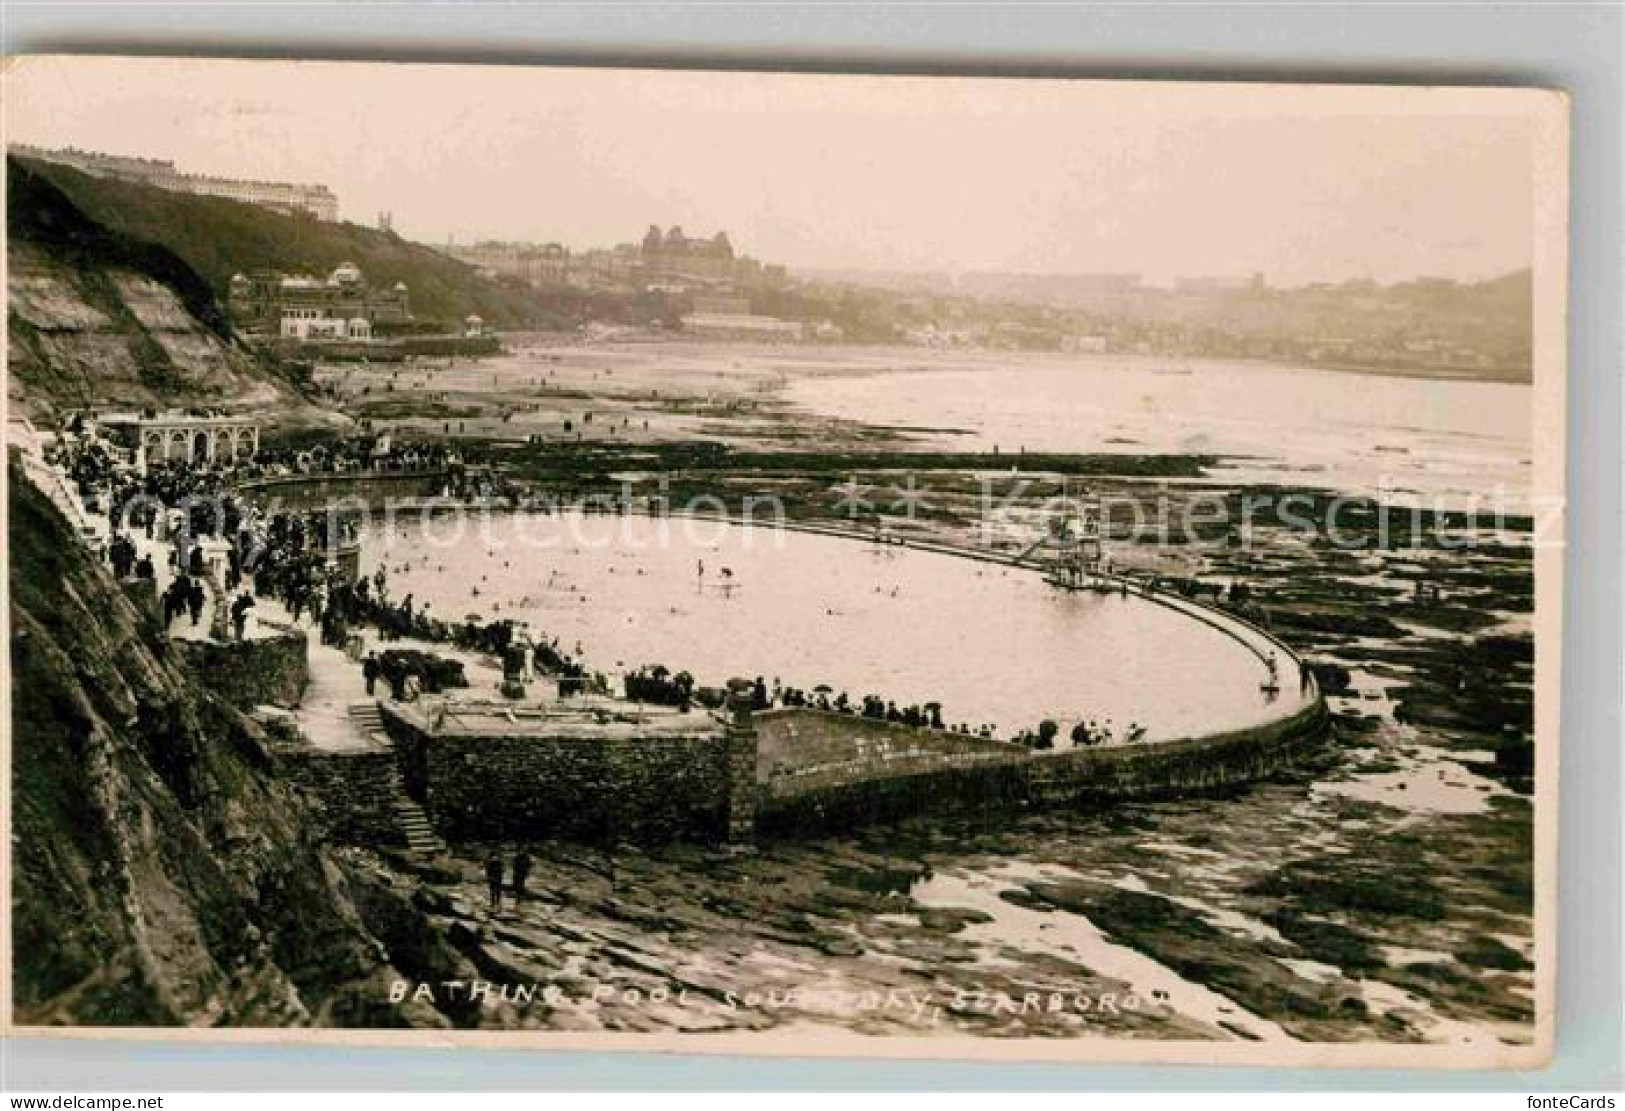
(218,237)
(100,317)
(1426,325)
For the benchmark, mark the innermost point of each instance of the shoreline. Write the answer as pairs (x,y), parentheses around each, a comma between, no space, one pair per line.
(909,356)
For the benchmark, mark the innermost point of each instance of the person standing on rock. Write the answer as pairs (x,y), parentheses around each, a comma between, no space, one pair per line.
(521,875)
(493,879)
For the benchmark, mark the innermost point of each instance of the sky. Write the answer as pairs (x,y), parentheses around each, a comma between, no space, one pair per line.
(1301,183)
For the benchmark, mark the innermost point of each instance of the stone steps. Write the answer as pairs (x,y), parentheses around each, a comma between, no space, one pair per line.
(58,488)
(369,723)
(421,839)
(414,824)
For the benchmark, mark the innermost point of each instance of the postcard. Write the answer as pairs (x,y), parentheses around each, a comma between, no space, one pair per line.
(783,563)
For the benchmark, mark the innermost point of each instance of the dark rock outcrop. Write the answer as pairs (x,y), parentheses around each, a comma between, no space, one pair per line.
(163,872)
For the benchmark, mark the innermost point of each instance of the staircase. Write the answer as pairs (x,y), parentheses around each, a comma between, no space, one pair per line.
(369,723)
(56,486)
(421,839)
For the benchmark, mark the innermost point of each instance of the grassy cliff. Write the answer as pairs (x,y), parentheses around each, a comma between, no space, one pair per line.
(217,238)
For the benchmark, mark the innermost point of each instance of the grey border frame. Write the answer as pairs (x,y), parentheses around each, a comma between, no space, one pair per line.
(1574,46)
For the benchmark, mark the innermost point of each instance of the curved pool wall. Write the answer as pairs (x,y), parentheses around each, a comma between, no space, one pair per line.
(952,783)
(363,488)
(1204,759)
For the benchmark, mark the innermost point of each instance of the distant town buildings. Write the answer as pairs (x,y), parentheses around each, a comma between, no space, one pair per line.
(713,285)
(539,264)
(342,306)
(313,200)
(664,261)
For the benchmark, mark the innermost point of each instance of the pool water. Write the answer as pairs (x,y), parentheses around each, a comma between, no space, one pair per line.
(994,645)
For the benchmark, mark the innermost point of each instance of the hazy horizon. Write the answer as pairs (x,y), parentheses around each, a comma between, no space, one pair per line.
(847,172)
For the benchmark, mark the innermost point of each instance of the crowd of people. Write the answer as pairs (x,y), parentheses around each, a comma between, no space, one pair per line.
(872,706)
(289,555)
(184,596)
(658,686)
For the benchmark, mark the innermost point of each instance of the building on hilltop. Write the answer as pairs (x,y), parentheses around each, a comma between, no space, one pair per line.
(672,254)
(341,306)
(668,261)
(312,200)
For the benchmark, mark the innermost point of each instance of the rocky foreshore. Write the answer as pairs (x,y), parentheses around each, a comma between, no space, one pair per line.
(1384,892)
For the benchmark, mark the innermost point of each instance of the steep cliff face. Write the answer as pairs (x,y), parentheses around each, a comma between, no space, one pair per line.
(99,318)
(163,871)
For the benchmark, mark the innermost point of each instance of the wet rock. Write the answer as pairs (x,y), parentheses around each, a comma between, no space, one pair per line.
(1327,942)
(1181,939)
(840,947)
(951,919)
(1332,678)
(1027,898)
(1487,952)
(1378,887)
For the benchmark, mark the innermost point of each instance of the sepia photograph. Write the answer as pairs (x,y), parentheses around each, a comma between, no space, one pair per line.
(784,563)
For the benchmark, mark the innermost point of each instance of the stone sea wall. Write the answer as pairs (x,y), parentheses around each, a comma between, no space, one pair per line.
(1192,766)
(709,786)
(802,750)
(957,783)
(271,670)
(646,788)
(356,791)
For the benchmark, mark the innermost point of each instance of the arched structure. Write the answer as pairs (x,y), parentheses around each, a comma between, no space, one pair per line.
(187,438)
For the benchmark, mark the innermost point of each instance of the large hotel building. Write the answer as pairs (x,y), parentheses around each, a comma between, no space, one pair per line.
(315,200)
